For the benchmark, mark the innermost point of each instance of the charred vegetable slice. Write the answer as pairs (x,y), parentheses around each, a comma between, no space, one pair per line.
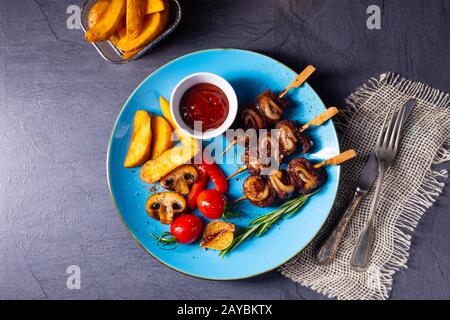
(218,235)
(165,206)
(180,179)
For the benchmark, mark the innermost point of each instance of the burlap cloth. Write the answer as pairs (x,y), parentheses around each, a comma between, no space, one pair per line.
(411,186)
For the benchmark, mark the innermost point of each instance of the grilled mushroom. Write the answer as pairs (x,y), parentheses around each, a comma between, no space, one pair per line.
(270,106)
(258,191)
(306,178)
(165,206)
(282,184)
(180,179)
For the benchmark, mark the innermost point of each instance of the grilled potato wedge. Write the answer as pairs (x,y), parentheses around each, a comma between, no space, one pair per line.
(165,108)
(97,10)
(135,17)
(161,136)
(139,150)
(154,170)
(108,23)
(155,6)
(172,158)
(152,27)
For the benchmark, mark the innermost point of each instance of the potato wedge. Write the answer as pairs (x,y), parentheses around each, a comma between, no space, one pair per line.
(122,30)
(153,25)
(97,10)
(141,138)
(114,39)
(218,235)
(135,17)
(165,108)
(154,170)
(155,6)
(161,136)
(172,158)
(130,54)
(108,23)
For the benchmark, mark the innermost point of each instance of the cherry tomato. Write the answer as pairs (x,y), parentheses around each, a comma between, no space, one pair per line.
(186,228)
(211,203)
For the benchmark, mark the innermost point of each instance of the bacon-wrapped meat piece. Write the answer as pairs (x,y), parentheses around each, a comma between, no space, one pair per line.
(306,178)
(287,137)
(282,183)
(266,155)
(259,191)
(256,165)
(290,138)
(242,135)
(270,106)
(304,143)
(251,119)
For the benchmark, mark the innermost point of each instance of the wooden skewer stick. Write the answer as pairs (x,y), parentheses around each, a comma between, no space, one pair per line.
(317,121)
(299,80)
(341,158)
(239,199)
(228,148)
(320,119)
(241,169)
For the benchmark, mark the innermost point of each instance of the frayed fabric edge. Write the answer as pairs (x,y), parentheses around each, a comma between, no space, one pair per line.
(427,194)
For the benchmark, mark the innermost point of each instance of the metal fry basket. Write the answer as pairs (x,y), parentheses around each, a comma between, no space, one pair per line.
(110,53)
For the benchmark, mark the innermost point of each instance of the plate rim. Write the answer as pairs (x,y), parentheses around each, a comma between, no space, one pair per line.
(108,178)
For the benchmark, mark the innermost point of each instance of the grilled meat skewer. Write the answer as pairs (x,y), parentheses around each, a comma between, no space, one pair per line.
(269,106)
(317,121)
(301,176)
(271,150)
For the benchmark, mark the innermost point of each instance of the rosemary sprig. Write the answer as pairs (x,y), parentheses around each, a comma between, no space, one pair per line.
(166,239)
(261,224)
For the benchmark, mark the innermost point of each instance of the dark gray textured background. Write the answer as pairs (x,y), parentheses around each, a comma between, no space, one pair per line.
(59,101)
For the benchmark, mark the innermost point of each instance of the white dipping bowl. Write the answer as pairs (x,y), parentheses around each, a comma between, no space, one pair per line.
(187,83)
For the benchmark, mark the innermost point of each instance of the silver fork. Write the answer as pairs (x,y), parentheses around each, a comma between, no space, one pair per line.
(385,150)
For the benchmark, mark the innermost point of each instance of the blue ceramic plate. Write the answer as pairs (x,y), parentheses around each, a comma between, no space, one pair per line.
(250,73)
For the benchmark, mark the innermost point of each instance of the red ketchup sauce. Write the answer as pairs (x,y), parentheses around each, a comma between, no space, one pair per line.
(206,103)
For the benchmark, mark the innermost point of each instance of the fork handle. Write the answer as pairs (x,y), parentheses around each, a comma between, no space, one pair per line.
(361,253)
(330,248)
